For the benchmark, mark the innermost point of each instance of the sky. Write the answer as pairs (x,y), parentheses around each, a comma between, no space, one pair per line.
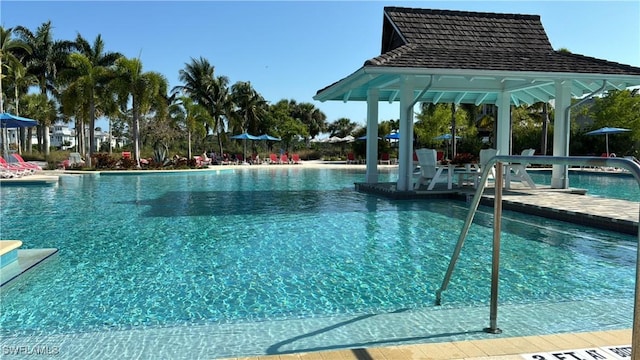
(292,49)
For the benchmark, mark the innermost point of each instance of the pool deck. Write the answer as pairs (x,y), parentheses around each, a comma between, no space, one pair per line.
(588,345)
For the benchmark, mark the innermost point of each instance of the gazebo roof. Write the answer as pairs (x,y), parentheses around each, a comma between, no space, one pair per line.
(469,57)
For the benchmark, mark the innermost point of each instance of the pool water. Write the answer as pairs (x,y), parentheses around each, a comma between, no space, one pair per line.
(610,185)
(281,244)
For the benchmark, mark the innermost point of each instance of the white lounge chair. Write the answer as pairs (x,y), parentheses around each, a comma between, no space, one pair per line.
(485,156)
(518,171)
(430,172)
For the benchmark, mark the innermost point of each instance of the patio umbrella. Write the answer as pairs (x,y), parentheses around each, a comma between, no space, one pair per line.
(393,136)
(245,137)
(268,137)
(606,131)
(12,121)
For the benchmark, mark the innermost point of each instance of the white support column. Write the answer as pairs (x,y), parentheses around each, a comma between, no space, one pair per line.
(405,149)
(503,135)
(372,136)
(561,131)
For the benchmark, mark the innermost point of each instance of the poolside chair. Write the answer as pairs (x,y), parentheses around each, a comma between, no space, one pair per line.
(518,171)
(384,158)
(18,159)
(351,158)
(284,159)
(273,158)
(430,172)
(15,169)
(295,158)
(485,156)
(126,154)
(75,159)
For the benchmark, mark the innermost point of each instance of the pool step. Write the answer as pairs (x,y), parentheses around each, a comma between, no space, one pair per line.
(15,262)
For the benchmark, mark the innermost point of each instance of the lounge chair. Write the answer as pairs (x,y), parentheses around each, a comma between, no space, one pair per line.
(273,158)
(430,172)
(295,158)
(518,171)
(18,159)
(284,159)
(16,169)
(351,158)
(384,158)
(75,159)
(485,156)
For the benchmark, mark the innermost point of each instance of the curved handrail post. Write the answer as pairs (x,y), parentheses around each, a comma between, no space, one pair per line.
(634,169)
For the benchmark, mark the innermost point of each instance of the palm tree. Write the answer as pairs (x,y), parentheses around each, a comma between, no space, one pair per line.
(88,74)
(145,90)
(342,127)
(8,49)
(193,116)
(8,57)
(250,106)
(209,91)
(312,117)
(48,57)
(19,82)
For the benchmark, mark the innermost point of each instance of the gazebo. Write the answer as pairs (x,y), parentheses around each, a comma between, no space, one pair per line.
(441,56)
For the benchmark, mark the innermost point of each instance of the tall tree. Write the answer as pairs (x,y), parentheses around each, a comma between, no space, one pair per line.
(193,118)
(342,127)
(8,58)
(312,117)
(47,58)
(145,91)
(250,107)
(200,84)
(89,71)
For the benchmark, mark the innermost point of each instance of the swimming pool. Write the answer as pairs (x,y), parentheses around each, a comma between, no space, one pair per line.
(253,261)
(611,185)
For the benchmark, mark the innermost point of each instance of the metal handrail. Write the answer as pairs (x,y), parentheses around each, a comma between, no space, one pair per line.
(628,164)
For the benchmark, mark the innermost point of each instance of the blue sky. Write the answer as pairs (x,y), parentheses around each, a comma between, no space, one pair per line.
(291,49)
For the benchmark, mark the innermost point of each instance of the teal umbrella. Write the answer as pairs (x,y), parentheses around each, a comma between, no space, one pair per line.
(12,121)
(606,131)
(268,137)
(245,137)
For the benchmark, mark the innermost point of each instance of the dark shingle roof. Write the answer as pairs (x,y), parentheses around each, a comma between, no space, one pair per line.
(453,30)
(424,38)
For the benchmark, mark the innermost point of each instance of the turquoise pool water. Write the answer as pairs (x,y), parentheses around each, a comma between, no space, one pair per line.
(285,244)
(612,185)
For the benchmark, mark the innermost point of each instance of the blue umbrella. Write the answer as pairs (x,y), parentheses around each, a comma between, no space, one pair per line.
(606,131)
(245,136)
(268,137)
(12,121)
(393,136)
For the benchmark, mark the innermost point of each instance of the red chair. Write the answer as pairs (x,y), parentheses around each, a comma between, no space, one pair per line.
(351,158)
(273,159)
(440,155)
(295,158)
(26,164)
(126,154)
(284,159)
(384,158)
(15,168)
